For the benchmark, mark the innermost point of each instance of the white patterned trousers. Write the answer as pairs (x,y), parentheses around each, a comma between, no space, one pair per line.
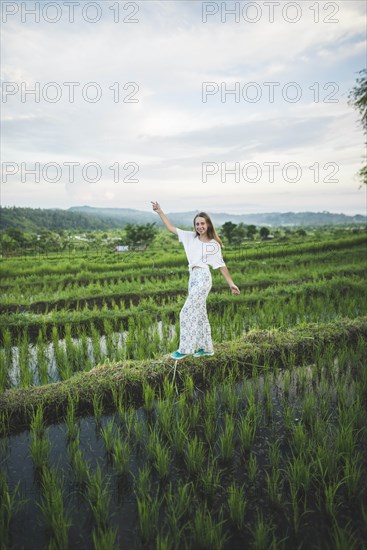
(195,330)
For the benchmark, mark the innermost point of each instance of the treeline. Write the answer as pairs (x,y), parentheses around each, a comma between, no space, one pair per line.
(36,219)
(89,219)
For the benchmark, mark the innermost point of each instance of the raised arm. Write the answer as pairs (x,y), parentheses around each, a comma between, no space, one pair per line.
(163,217)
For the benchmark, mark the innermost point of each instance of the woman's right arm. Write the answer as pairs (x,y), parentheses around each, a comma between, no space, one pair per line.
(163,217)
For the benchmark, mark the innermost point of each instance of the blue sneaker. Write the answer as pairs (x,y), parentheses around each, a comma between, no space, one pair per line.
(178,355)
(201,353)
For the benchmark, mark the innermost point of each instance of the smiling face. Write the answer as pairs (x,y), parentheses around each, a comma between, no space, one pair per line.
(201,226)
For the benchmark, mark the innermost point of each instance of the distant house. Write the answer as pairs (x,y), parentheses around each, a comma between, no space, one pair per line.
(121,248)
(138,247)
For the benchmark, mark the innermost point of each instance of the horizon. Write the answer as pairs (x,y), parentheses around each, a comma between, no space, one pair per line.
(193,211)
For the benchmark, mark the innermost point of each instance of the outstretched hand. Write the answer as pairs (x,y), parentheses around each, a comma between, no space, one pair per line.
(156,206)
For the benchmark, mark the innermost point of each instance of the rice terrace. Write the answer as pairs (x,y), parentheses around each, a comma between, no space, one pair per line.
(108,443)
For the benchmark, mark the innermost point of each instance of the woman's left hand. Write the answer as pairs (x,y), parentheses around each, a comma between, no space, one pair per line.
(234,289)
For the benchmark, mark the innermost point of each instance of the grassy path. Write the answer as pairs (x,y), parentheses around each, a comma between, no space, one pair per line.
(271,348)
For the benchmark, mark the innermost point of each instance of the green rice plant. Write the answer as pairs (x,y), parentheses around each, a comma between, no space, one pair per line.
(121,453)
(70,347)
(353,474)
(7,342)
(302,379)
(246,432)
(207,531)
(142,482)
(40,449)
(346,441)
(96,344)
(79,466)
(178,501)
(149,397)
(86,360)
(298,470)
(252,467)
(162,460)
(319,430)
(42,361)
(154,441)
(226,441)
(326,462)
(189,387)
(324,401)
(26,376)
(364,518)
(193,416)
(267,398)
(287,383)
(97,407)
(309,409)
(262,533)
(165,414)
(274,453)
(179,435)
(229,399)
(4,376)
(194,456)
(104,539)
(182,405)
(109,434)
(37,424)
(299,439)
(209,479)
(350,412)
(167,542)
(168,389)
(140,431)
(268,406)
(289,416)
(210,403)
(9,506)
(51,504)
(178,505)
(110,343)
(148,511)
(61,359)
(254,412)
(237,505)
(247,393)
(70,420)
(128,419)
(4,424)
(98,497)
(296,515)
(343,539)
(210,428)
(274,484)
(329,499)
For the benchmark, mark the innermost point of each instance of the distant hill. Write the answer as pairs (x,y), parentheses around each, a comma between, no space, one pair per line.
(36,219)
(87,218)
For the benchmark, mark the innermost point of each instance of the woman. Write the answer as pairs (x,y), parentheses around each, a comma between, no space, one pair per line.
(203,249)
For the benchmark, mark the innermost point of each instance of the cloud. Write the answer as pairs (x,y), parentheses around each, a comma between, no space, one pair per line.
(170,131)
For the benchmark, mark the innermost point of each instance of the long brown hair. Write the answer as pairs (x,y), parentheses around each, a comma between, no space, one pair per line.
(211,232)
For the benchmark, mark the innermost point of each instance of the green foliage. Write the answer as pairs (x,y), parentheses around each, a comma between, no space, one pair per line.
(358,99)
(140,234)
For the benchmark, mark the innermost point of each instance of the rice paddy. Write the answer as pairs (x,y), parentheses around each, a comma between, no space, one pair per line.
(107,443)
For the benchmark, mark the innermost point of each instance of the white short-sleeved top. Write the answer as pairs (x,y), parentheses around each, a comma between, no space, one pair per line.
(200,254)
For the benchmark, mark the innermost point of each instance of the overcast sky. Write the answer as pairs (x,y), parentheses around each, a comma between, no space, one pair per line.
(152,117)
